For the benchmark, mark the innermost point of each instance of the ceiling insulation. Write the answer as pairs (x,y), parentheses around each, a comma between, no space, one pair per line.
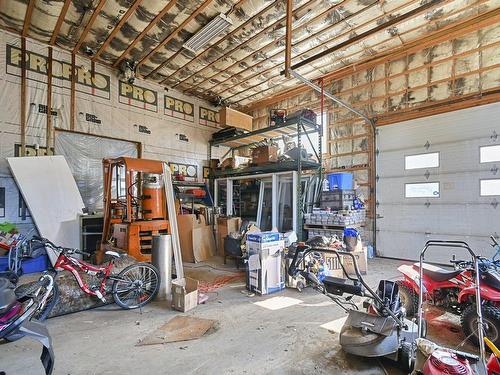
(243,64)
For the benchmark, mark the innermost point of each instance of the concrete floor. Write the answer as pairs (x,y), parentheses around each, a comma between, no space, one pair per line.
(249,338)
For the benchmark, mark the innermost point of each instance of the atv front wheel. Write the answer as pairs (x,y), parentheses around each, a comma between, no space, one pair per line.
(491,320)
(409,299)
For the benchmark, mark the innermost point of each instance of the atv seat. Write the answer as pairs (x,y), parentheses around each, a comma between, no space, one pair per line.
(437,273)
(338,286)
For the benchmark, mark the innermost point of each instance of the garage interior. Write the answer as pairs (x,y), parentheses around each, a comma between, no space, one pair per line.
(249,187)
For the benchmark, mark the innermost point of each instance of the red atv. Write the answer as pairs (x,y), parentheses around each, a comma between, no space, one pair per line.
(453,290)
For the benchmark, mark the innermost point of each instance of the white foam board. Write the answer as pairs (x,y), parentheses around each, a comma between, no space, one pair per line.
(52,196)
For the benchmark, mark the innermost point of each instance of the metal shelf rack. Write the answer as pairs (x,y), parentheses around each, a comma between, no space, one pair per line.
(296,128)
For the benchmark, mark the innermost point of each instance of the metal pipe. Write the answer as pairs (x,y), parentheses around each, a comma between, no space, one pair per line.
(475,259)
(330,96)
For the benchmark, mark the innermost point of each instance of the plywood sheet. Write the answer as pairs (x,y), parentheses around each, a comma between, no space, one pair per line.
(203,243)
(51,194)
(179,328)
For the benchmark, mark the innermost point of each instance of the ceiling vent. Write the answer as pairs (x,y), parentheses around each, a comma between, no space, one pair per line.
(208,32)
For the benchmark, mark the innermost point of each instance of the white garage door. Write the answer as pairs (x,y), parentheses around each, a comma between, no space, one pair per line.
(439,178)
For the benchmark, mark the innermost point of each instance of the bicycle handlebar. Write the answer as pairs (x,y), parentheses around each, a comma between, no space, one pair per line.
(68,250)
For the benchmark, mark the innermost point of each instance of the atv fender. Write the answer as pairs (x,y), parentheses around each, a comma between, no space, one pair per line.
(487,294)
(411,278)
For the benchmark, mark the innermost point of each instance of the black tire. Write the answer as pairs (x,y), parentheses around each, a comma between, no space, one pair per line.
(24,291)
(405,357)
(491,319)
(409,299)
(139,286)
(49,305)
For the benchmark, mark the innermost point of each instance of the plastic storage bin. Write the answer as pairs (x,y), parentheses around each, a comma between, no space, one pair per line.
(342,181)
(4,264)
(38,264)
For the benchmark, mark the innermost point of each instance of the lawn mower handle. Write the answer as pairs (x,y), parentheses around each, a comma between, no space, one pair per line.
(475,260)
(305,249)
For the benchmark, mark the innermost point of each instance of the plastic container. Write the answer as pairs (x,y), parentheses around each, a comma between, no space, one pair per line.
(4,264)
(38,264)
(342,181)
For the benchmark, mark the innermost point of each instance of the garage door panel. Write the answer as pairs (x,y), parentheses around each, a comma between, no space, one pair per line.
(409,245)
(460,212)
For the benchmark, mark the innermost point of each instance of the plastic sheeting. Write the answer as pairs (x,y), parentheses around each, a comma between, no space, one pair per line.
(84,154)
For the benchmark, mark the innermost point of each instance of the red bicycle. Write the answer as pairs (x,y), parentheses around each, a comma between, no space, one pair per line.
(135,286)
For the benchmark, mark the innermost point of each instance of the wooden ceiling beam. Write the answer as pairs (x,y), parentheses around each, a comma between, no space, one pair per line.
(277,53)
(117,28)
(288,44)
(208,49)
(175,32)
(453,31)
(143,33)
(344,44)
(92,19)
(59,22)
(27,18)
(381,27)
(254,52)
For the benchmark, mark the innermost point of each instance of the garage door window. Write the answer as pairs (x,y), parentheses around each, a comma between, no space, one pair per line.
(488,154)
(430,160)
(490,187)
(422,190)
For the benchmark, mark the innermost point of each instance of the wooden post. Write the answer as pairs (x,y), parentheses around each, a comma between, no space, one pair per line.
(288,49)
(72,92)
(48,134)
(23,96)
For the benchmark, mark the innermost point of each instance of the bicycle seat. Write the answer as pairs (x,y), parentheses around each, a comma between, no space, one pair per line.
(437,273)
(113,254)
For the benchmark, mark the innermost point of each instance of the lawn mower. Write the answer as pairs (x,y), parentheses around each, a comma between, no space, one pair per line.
(380,331)
(431,358)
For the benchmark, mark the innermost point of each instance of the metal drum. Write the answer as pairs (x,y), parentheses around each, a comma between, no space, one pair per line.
(161,257)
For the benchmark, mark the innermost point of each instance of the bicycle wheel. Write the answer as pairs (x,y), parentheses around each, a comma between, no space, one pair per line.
(136,286)
(25,291)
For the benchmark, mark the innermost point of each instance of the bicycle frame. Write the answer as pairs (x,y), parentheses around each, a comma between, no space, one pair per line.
(75,266)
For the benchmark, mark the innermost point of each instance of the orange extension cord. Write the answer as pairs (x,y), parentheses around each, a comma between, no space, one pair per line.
(218,282)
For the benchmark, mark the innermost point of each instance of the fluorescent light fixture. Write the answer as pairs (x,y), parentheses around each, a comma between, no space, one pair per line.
(208,32)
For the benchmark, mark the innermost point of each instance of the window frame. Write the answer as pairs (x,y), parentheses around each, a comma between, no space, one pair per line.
(423,153)
(420,183)
(487,195)
(491,161)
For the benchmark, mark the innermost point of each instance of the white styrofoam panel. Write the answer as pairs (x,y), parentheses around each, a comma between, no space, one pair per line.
(51,194)
(460,213)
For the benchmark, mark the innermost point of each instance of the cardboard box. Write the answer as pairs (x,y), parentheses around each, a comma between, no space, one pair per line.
(264,267)
(184,294)
(229,117)
(362,260)
(196,238)
(264,154)
(226,225)
(235,162)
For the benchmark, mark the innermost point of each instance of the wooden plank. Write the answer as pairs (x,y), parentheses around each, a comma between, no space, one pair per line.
(175,32)
(218,42)
(48,130)
(72,109)
(288,43)
(453,31)
(350,16)
(27,17)
(23,96)
(92,19)
(238,47)
(59,22)
(143,33)
(117,28)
